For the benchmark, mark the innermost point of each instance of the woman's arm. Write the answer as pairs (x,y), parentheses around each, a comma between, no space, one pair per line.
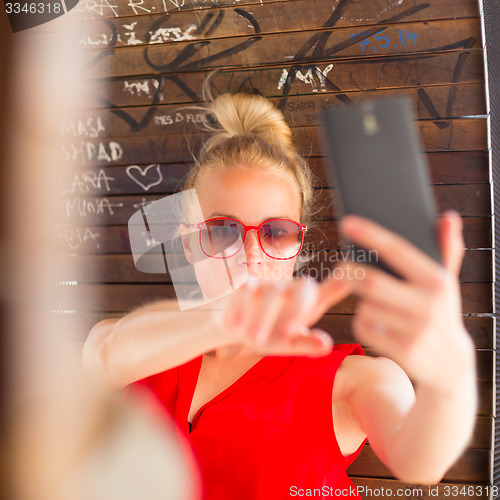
(417,323)
(417,435)
(149,340)
(265,317)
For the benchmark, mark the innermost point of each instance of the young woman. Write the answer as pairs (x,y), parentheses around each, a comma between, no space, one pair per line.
(272,409)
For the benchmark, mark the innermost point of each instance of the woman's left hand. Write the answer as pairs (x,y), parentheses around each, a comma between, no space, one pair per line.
(415,321)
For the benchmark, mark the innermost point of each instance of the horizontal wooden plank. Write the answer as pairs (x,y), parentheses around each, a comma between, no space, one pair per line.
(277,17)
(437,135)
(467,199)
(472,466)
(89,239)
(272,49)
(440,102)
(470,200)
(417,70)
(476,297)
(450,167)
(338,326)
(120,268)
(369,488)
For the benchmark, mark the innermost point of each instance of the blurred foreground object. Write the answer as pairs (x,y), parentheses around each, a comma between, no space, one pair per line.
(65,439)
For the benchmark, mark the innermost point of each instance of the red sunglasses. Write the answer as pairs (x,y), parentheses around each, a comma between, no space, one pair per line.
(222,237)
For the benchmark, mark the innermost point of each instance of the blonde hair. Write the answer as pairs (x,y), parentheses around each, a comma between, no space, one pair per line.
(248,130)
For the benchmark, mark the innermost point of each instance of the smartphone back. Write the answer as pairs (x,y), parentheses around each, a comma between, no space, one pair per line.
(379,170)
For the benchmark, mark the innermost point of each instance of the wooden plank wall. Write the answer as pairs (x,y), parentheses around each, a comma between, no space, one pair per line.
(145,58)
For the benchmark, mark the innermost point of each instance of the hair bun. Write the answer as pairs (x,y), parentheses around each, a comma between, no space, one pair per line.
(245,114)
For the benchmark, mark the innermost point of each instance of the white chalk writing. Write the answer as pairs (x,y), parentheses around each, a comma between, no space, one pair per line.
(85,207)
(172,34)
(91,127)
(312,77)
(100,7)
(74,238)
(139,87)
(132,39)
(88,181)
(88,151)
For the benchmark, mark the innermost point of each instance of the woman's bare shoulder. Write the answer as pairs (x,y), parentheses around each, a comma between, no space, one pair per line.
(366,373)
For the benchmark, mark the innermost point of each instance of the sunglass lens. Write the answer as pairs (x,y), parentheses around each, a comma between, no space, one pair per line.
(221,237)
(281,239)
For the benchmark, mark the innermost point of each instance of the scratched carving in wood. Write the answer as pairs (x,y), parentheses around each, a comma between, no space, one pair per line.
(98,9)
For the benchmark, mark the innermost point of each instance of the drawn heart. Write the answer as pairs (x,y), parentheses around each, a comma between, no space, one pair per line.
(131,173)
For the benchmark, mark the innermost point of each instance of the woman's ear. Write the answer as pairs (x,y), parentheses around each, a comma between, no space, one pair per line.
(186,238)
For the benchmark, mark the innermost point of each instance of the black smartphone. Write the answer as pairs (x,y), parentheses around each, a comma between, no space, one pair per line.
(380,172)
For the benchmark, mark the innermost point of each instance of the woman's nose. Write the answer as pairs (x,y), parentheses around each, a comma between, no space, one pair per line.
(253,252)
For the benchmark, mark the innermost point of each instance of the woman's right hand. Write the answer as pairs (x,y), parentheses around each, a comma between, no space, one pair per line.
(275,317)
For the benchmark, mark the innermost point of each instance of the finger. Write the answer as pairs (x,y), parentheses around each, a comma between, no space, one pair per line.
(315,343)
(237,311)
(403,257)
(331,291)
(451,241)
(301,299)
(384,290)
(265,305)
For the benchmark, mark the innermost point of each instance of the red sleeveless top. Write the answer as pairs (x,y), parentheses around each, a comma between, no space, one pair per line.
(269,435)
